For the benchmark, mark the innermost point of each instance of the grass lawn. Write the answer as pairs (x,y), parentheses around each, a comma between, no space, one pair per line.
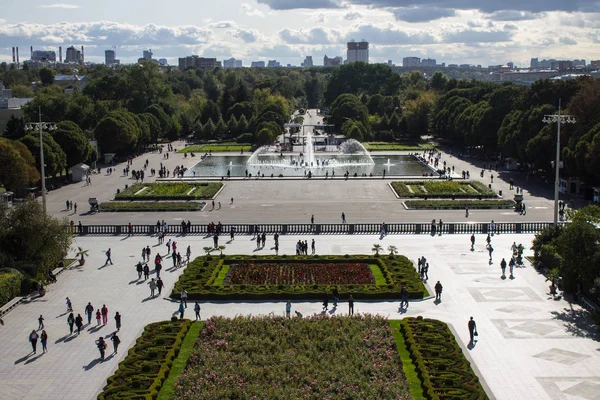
(221,277)
(384,146)
(459,204)
(217,148)
(278,358)
(170,191)
(167,390)
(410,371)
(442,189)
(378,275)
(68,261)
(131,206)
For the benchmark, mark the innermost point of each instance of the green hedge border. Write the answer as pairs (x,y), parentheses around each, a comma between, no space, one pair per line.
(210,189)
(217,148)
(10,284)
(200,275)
(459,204)
(122,206)
(441,365)
(401,189)
(148,363)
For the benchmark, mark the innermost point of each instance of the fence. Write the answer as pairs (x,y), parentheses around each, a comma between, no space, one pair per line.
(402,228)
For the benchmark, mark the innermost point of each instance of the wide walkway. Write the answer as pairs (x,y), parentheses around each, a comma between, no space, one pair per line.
(530,347)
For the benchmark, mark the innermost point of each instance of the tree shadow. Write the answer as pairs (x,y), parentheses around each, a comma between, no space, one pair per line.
(578,322)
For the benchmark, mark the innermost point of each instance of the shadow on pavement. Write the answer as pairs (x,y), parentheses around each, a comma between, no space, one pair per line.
(578,322)
(20,360)
(92,364)
(32,359)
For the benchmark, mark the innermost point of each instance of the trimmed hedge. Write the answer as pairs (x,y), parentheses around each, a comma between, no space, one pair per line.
(141,374)
(170,191)
(120,206)
(217,148)
(385,146)
(200,276)
(443,189)
(459,204)
(10,284)
(441,365)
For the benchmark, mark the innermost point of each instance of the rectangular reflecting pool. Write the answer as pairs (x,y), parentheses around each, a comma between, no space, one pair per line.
(337,164)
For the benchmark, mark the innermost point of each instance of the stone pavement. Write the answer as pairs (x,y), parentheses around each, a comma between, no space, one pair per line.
(530,346)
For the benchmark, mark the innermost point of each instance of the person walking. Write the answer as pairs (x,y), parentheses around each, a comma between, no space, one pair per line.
(89,309)
(118,320)
(472,242)
(472,329)
(152,285)
(351,305)
(169,247)
(326,302)
(44,340)
(288,309)
(40,323)
(69,305)
(503,268)
(159,285)
(188,253)
(184,296)
(490,251)
(98,317)
(312,246)
(116,341)
(108,259)
(33,338)
(79,323)
(403,297)
(511,266)
(181,309)
(197,310)
(158,267)
(343,218)
(101,344)
(426,271)
(438,291)
(71,322)
(139,268)
(143,254)
(312,219)
(336,296)
(146,271)
(104,314)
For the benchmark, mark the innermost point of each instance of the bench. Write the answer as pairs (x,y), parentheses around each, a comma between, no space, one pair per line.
(57,271)
(10,305)
(589,305)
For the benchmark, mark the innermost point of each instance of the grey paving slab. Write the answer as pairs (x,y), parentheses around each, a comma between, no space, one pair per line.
(507,354)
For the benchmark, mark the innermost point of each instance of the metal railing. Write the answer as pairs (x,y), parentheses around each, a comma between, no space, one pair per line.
(401,228)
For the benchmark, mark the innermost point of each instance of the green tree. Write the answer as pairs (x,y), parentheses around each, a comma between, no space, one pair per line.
(71,139)
(264,136)
(47,76)
(17,165)
(31,241)
(166,123)
(15,128)
(117,133)
(55,158)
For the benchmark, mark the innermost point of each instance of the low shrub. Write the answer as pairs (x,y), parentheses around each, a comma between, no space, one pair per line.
(217,148)
(121,206)
(459,204)
(10,284)
(441,365)
(200,276)
(443,189)
(170,191)
(148,362)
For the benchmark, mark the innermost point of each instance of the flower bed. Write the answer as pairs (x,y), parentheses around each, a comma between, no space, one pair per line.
(148,362)
(202,279)
(170,191)
(459,204)
(150,206)
(385,146)
(443,189)
(299,274)
(217,148)
(441,365)
(278,358)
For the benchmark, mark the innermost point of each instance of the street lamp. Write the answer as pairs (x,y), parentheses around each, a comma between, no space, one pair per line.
(559,120)
(41,126)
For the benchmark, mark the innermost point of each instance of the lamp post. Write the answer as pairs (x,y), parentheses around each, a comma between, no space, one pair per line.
(559,120)
(41,126)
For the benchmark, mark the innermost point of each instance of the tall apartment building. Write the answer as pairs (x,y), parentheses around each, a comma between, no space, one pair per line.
(273,64)
(232,63)
(357,52)
(257,64)
(110,58)
(308,62)
(332,62)
(43,55)
(197,62)
(411,62)
(73,56)
(428,62)
(595,63)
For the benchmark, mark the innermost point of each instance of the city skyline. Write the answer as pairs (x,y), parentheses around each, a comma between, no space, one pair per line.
(452,31)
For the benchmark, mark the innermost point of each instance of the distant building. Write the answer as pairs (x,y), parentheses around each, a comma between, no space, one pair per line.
(565,65)
(534,64)
(273,64)
(73,56)
(579,63)
(411,61)
(197,62)
(163,62)
(232,63)
(357,52)
(510,65)
(308,62)
(147,54)
(595,63)
(71,81)
(526,77)
(428,62)
(332,62)
(257,64)
(43,56)
(110,58)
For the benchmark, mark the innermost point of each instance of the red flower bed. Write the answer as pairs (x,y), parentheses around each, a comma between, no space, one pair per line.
(300,274)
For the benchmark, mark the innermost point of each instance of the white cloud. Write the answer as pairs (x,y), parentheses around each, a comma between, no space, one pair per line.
(421,14)
(389,35)
(513,15)
(567,41)
(352,15)
(312,36)
(59,5)
(295,4)
(222,24)
(472,36)
(251,11)
(247,35)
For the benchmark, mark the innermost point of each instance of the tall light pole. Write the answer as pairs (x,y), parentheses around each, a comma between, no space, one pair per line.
(41,126)
(559,120)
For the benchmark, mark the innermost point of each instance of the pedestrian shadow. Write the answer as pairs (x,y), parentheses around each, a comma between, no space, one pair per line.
(63,314)
(142,282)
(125,238)
(95,329)
(32,359)
(20,360)
(333,310)
(62,339)
(437,302)
(134,281)
(148,299)
(92,364)
(471,344)
(104,266)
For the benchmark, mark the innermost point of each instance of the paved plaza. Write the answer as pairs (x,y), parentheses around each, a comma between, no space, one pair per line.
(530,346)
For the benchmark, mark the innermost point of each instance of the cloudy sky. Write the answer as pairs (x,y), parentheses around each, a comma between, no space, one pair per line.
(482,32)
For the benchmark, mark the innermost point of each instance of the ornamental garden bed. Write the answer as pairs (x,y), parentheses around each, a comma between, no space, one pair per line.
(443,189)
(441,365)
(458,204)
(123,206)
(385,146)
(217,148)
(279,358)
(170,191)
(148,362)
(298,277)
